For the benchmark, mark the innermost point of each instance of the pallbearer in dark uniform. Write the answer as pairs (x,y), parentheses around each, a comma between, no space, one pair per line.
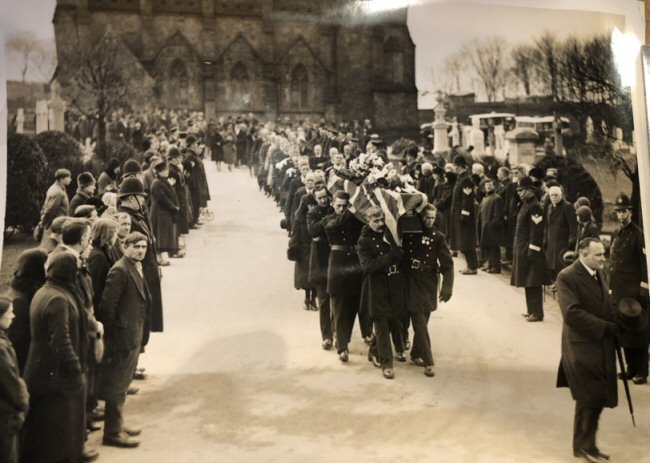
(629,278)
(426,257)
(529,269)
(344,272)
(463,217)
(382,290)
(318,258)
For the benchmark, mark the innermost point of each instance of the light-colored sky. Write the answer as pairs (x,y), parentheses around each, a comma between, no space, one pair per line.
(438,28)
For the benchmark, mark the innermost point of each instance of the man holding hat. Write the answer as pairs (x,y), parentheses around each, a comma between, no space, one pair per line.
(463,216)
(529,268)
(85,189)
(56,201)
(588,364)
(629,279)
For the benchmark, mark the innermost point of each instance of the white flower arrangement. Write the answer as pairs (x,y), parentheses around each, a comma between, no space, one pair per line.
(369,167)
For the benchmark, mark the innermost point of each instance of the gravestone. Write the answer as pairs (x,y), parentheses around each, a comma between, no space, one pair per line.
(42,115)
(521,146)
(20,121)
(454,134)
(440,136)
(477,138)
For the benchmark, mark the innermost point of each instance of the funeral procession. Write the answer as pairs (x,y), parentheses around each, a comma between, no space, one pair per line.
(333,230)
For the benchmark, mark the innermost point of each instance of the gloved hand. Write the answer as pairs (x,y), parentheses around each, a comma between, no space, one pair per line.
(445,296)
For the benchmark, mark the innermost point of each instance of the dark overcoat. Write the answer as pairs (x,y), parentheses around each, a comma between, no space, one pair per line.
(55,374)
(151,274)
(183,216)
(588,364)
(164,213)
(444,194)
(79,199)
(289,206)
(511,204)
(344,272)
(320,250)
(98,263)
(382,290)
(587,230)
(19,331)
(559,233)
(14,401)
(426,256)
(629,277)
(301,240)
(490,221)
(529,268)
(463,215)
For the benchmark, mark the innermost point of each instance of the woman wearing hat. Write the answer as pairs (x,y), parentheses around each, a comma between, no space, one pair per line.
(56,365)
(164,212)
(14,398)
(28,278)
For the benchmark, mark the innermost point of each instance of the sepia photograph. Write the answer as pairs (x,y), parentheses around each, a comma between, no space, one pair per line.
(322,230)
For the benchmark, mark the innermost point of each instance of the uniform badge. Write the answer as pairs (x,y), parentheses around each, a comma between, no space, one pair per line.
(536,218)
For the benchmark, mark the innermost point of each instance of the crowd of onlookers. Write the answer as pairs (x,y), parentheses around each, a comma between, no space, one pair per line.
(83,303)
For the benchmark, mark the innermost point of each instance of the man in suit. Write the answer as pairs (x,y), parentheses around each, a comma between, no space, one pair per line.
(560,231)
(123,310)
(588,364)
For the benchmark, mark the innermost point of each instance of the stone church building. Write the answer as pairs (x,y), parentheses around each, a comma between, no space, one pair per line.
(298,58)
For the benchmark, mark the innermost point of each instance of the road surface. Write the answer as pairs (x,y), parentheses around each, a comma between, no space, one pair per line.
(239,374)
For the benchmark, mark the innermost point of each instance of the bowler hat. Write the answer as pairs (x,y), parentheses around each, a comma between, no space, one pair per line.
(582,201)
(525,183)
(460,161)
(622,202)
(85,179)
(584,214)
(536,172)
(131,186)
(131,166)
(630,314)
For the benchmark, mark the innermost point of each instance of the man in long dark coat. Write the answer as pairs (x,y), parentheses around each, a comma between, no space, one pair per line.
(426,256)
(344,273)
(529,269)
(588,365)
(629,278)
(123,311)
(131,201)
(560,230)
(463,217)
(318,258)
(382,292)
(511,204)
(491,226)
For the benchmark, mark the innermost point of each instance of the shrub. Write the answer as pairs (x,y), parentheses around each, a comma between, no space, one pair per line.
(61,151)
(27,182)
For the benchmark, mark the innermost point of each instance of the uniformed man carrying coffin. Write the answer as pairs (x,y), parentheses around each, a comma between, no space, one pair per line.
(382,291)
(426,256)
(344,273)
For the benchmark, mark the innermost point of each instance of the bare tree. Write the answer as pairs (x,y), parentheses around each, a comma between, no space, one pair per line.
(547,59)
(489,60)
(454,66)
(523,66)
(99,76)
(25,49)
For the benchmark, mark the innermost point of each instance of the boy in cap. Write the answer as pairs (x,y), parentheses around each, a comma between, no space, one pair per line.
(85,189)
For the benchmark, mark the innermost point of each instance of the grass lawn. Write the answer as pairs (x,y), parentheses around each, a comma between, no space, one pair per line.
(11,249)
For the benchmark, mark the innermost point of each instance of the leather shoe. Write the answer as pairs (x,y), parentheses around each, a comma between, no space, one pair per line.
(327,344)
(121,440)
(534,318)
(343,356)
(525,315)
(428,371)
(132,390)
(638,379)
(493,270)
(589,456)
(139,375)
(89,455)
(132,431)
(627,375)
(418,361)
(468,271)
(92,426)
(388,373)
(400,357)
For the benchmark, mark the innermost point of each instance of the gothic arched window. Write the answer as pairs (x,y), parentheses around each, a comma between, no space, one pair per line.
(394,61)
(299,87)
(240,84)
(178,83)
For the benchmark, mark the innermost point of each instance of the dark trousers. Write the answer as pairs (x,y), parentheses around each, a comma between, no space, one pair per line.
(471,258)
(324,312)
(535,301)
(636,359)
(493,257)
(585,425)
(380,346)
(344,309)
(421,341)
(115,376)
(508,252)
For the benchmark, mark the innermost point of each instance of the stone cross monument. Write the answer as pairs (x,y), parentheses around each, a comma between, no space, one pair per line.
(440,137)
